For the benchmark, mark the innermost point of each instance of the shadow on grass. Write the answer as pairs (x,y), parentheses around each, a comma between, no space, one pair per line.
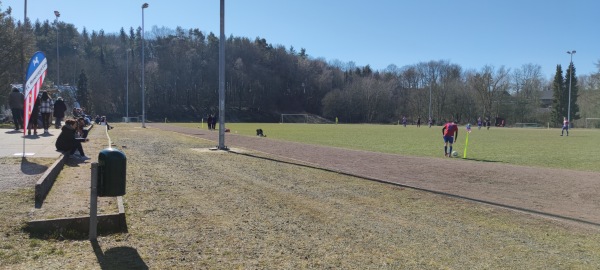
(31,168)
(74,162)
(118,257)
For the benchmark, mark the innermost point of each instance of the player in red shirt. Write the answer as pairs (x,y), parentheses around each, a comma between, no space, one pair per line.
(450,132)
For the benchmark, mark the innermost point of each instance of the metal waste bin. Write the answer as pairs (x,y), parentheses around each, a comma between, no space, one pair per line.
(112,171)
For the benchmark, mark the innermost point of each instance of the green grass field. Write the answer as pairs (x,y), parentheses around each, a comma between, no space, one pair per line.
(520,146)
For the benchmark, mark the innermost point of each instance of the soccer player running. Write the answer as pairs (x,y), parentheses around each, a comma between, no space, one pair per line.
(450,133)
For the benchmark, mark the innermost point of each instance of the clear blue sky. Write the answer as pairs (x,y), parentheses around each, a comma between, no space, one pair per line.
(471,33)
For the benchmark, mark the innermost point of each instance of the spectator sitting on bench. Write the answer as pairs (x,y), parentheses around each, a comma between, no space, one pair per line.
(82,132)
(67,141)
(103,122)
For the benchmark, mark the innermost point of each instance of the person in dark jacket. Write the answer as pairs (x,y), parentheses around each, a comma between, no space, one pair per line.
(59,112)
(16,101)
(209,121)
(67,141)
(34,117)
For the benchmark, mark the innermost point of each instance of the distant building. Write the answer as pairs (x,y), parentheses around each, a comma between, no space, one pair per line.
(546,99)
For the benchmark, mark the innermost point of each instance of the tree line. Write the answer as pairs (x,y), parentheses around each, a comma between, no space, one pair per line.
(264,80)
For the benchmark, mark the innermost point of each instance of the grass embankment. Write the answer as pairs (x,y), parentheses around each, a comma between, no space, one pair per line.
(519,146)
(191,208)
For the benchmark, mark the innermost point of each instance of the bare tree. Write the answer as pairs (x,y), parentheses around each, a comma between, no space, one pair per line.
(488,84)
(527,86)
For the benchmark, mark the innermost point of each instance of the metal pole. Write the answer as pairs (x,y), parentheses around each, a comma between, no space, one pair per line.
(145,5)
(430,86)
(127,88)
(57,14)
(94,202)
(570,79)
(23,60)
(222,80)
(24,71)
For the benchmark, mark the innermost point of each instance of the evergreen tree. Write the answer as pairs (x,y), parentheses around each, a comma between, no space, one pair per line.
(82,91)
(571,79)
(558,102)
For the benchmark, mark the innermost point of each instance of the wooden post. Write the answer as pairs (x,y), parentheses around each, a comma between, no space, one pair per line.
(94,202)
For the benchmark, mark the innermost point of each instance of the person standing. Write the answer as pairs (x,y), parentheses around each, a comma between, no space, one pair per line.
(419,121)
(16,101)
(59,112)
(46,106)
(209,121)
(479,123)
(450,133)
(214,122)
(565,126)
(404,121)
(34,117)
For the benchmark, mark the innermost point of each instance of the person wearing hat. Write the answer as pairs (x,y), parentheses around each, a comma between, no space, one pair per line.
(16,101)
(59,112)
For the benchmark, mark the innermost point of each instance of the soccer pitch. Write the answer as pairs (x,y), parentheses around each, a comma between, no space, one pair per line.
(519,146)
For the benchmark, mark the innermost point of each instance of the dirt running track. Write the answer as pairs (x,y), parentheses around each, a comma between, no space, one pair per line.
(555,193)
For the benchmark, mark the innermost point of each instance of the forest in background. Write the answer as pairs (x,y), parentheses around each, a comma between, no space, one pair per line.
(265,80)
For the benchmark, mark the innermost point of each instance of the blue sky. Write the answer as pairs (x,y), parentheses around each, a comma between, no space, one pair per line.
(471,33)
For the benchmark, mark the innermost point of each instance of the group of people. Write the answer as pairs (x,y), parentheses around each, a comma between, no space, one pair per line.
(44,106)
(485,123)
(418,122)
(72,134)
(212,122)
(101,120)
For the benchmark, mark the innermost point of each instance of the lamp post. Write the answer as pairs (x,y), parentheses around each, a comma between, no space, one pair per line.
(57,14)
(145,5)
(430,87)
(222,79)
(75,70)
(570,79)
(127,87)
(23,50)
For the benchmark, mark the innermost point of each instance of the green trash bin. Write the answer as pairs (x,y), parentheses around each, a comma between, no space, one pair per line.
(112,171)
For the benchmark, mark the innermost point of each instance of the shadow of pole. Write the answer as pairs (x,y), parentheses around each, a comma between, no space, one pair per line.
(118,257)
(31,168)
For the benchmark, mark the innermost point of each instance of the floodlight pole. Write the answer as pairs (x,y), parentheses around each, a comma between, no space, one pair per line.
(145,5)
(127,86)
(222,80)
(570,82)
(430,87)
(23,50)
(57,14)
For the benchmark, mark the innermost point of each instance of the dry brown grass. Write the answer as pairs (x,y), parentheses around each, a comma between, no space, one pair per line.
(216,210)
